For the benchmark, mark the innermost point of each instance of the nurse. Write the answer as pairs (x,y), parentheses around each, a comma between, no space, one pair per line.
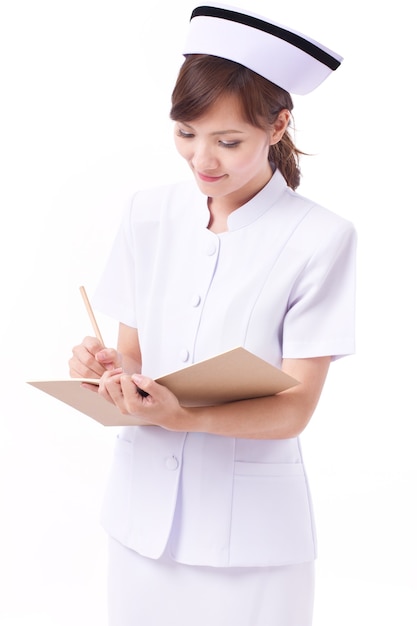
(208,509)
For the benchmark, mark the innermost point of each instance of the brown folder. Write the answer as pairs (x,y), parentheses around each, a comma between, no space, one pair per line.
(234,375)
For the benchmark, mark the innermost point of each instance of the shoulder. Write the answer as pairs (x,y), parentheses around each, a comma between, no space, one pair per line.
(316,214)
(302,215)
(318,226)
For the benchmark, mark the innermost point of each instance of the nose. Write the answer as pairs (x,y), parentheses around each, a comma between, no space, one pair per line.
(204,158)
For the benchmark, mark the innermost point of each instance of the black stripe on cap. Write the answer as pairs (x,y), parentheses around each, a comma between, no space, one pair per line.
(286,35)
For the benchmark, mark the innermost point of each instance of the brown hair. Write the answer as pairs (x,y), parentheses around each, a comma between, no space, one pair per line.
(203,79)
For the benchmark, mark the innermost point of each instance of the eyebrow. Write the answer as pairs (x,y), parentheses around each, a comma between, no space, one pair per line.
(227,132)
(218,132)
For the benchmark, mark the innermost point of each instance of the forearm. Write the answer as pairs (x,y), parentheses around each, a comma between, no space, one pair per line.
(131,365)
(275,417)
(128,346)
(281,416)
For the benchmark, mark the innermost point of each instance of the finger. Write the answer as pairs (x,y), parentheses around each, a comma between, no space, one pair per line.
(110,388)
(145,386)
(83,363)
(92,344)
(109,358)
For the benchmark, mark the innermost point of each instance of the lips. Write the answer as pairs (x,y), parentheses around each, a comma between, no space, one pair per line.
(209,179)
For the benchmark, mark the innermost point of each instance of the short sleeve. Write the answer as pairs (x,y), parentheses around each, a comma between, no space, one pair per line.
(320,319)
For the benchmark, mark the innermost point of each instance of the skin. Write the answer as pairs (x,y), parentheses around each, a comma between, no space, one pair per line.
(228,156)
(229,160)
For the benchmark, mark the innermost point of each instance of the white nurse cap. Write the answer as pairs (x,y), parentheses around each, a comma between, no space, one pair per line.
(285,57)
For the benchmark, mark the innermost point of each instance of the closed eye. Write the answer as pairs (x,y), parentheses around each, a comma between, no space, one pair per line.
(184,134)
(229,144)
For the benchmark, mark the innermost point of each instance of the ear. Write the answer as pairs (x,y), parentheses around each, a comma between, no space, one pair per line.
(280,126)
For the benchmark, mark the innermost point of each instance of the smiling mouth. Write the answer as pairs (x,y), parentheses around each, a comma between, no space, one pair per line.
(209,179)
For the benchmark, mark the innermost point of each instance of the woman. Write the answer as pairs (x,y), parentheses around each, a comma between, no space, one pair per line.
(208,508)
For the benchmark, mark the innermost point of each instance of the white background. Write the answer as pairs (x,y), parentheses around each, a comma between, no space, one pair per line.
(85,89)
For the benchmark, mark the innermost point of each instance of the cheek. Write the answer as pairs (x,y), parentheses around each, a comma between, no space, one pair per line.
(250,160)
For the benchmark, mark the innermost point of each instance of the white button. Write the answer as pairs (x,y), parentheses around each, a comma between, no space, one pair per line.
(171,463)
(184,355)
(196,300)
(211,249)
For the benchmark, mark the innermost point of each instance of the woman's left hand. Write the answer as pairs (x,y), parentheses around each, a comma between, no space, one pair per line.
(142,397)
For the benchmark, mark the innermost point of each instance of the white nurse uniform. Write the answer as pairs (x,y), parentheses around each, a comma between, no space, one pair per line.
(279,282)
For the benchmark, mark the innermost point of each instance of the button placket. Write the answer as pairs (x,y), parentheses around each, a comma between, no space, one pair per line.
(205,270)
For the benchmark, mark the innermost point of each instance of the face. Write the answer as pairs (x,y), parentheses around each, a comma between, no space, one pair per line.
(227,155)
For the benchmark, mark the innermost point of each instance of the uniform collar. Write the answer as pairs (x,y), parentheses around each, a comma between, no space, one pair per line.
(259,204)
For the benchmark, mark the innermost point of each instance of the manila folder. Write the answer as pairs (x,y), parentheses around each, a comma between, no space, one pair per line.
(234,375)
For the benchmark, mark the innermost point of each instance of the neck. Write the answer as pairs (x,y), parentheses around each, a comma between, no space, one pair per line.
(219,212)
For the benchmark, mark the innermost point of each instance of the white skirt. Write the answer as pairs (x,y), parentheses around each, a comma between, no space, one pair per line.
(147,592)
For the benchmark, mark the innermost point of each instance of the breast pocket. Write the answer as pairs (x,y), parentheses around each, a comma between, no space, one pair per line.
(272,521)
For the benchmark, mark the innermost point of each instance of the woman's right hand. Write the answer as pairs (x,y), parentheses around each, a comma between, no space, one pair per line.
(90,360)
